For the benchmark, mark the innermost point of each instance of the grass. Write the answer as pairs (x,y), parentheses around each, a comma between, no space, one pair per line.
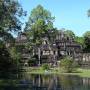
(83,72)
(38,70)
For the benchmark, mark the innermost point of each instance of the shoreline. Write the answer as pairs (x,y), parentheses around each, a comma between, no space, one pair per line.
(79,72)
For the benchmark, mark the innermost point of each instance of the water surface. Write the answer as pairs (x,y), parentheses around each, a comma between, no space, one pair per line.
(24,81)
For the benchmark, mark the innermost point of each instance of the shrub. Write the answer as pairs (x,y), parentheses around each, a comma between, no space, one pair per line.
(45,67)
(68,64)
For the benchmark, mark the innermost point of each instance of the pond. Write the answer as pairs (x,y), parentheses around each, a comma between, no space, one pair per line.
(25,81)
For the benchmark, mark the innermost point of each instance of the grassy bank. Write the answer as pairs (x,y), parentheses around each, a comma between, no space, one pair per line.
(39,70)
(83,72)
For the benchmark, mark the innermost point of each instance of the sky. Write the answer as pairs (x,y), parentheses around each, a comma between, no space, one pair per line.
(69,14)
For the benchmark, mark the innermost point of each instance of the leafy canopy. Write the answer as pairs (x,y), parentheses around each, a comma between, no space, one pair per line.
(87,34)
(79,40)
(69,33)
(40,21)
(87,41)
(10,13)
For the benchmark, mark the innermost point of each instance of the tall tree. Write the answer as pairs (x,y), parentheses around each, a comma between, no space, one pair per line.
(15,56)
(40,21)
(10,12)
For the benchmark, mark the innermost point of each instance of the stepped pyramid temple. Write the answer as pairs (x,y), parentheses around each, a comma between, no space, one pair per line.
(51,51)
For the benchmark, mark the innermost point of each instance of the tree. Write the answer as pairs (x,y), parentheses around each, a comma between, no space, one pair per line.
(5,60)
(79,40)
(87,34)
(70,33)
(40,21)
(10,12)
(87,41)
(15,56)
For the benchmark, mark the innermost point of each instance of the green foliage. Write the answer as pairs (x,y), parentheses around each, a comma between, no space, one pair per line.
(40,13)
(87,34)
(10,13)
(68,65)
(39,29)
(5,60)
(15,56)
(79,40)
(45,66)
(87,41)
(28,46)
(84,41)
(40,21)
(69,33)
(10,10)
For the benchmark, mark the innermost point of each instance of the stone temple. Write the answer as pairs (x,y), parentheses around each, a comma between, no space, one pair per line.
(51,51)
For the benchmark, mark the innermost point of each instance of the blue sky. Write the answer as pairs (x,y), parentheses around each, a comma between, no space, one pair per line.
(69,14)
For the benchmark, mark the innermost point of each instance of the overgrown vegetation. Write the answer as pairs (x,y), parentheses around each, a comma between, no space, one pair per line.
(45,66)
(39,23)
(10,13)
(68,65)
(5,59)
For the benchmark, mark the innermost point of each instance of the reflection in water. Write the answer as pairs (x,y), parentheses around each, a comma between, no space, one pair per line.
(24,81)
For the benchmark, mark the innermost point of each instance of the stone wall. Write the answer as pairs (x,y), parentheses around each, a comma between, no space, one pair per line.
(86,59)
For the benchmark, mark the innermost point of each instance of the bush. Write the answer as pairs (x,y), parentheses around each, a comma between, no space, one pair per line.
(45,67)
(68,65)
